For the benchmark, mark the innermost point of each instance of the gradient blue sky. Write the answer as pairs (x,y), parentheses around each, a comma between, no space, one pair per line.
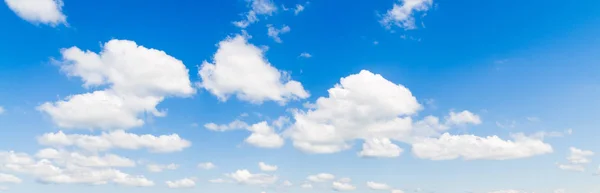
(520,66)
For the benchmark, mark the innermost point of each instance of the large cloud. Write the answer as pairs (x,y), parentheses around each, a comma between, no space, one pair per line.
(137,80)
(240,68)
(362,106)
(368,107)
(39,11)
(116,139)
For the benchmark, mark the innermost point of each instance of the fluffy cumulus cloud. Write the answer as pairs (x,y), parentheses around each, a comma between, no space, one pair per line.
(8,178)
(471,147)
(402,14)
(240,68)
(362,106)
(183,183)
(245,177)
(368,107)
(322,177)
(577,160)
(160,168)
(46,171)
(137,80)
(266,167)
(264,136)
(380,148)
(116,140)
(274,32)
(378,186)
(257,8)
(343,185)
(39,11)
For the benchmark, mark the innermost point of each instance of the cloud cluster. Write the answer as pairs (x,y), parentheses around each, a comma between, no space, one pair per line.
(577,160)
(402,14)
(137,80)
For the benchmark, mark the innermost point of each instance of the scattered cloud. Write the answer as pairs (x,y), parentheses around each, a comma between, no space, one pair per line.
(257,8)
(160,168)
(240,68)
(131,93)
(275,32)
(245,177)
(402,14)
(322,177)
(206,166)
(378,186)
(8,178)
(47,12)
(343,185)
(577,160)
(183,183)
(234,125)
(46,171)
(266,167)
(305,55)
(471,147)
(116,140)
(299,8)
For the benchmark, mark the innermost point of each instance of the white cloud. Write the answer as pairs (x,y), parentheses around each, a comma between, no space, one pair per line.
(206,166)
(402,14)
(39,11)
(579,156)
(138,79)
(160,168)
(508,191)
(183,183)
(236,124)
(45,171)
(380,148)
(264,136)
(240,68)
(257,8)
(217,181)
(577,159)
(471,147)
(306,186)
(275,32)
(378,186)
(462,118)
(266,167)
(305,55)
(245,177)
(2,110)
(362,106)
(299,8)
(322,177)
(116,139)
(74,158)
(343,185)
(8,178)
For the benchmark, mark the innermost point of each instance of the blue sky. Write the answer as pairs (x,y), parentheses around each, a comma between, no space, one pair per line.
(383,96)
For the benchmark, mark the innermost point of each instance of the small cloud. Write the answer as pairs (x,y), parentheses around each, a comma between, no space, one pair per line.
(206,166)
(275,32)
(299,8)
(305,55)
(194,125)
(375,43)
(533,119)
(2,110)
(506,124)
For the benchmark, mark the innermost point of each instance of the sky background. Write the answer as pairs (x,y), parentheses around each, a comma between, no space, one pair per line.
(519,66)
